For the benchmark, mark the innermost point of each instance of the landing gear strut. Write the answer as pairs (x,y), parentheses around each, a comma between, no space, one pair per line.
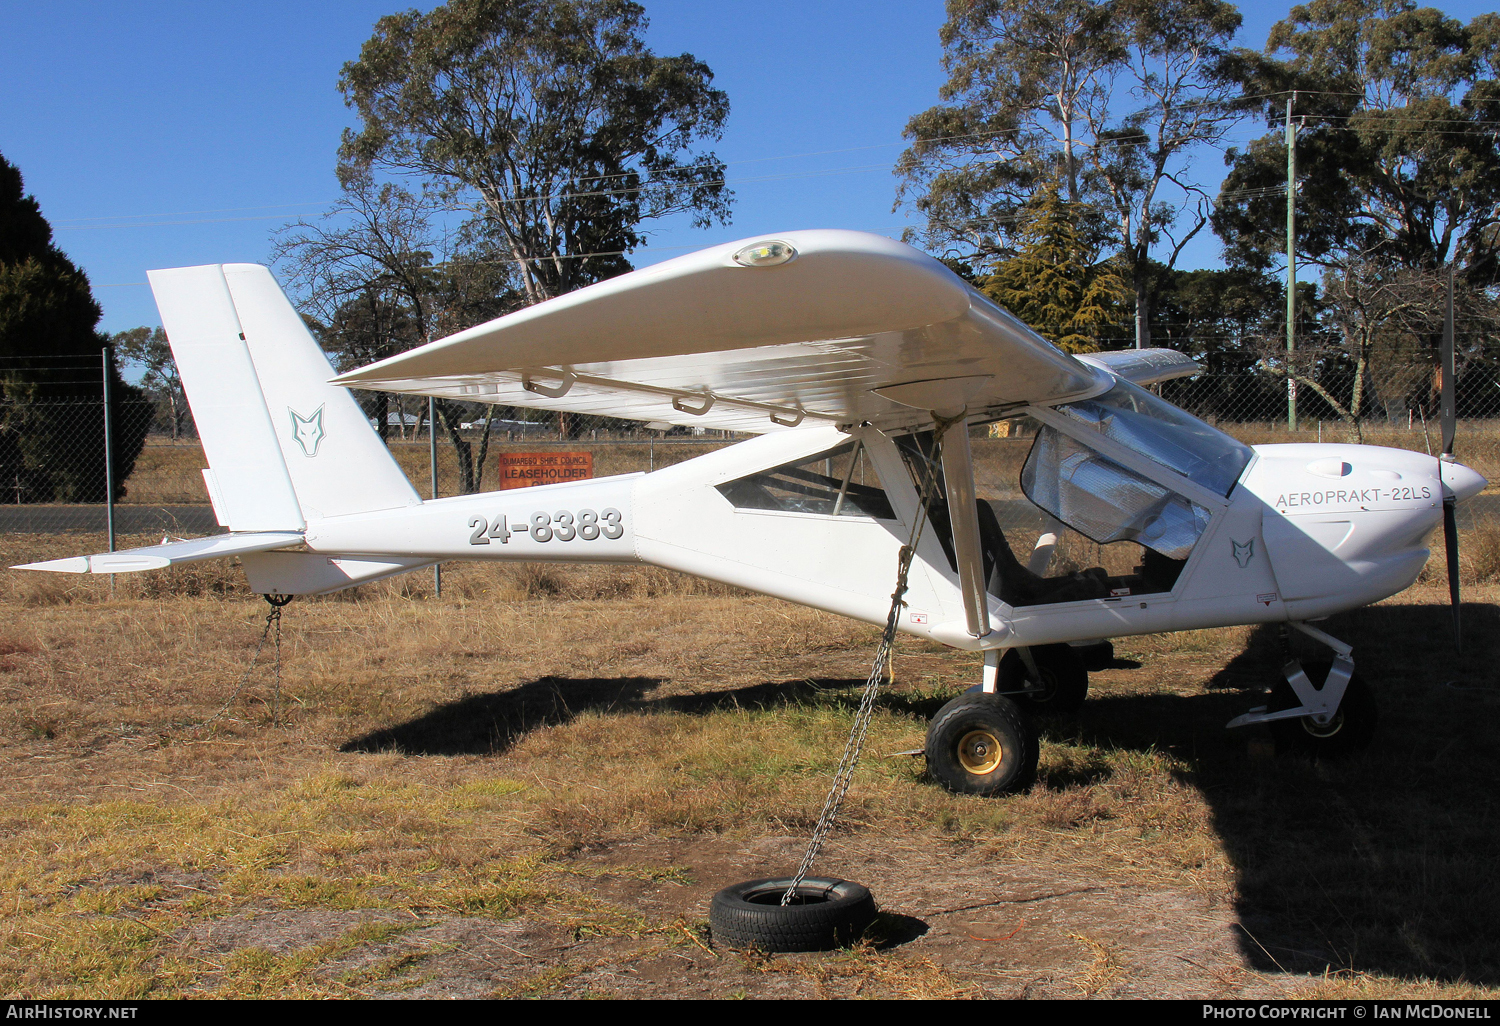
(1321,709)
(1042,679)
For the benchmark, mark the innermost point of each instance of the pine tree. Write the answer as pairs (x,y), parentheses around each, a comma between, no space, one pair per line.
(1053,283)
(51,415)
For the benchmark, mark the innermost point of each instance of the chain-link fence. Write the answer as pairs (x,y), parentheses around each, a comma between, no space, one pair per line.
(53,472)
(1403,414)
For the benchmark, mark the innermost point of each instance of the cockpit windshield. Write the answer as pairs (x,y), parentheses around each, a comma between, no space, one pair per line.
(1177,440)
(1106,502)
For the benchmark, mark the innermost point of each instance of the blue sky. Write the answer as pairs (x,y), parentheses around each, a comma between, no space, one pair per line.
(168,134)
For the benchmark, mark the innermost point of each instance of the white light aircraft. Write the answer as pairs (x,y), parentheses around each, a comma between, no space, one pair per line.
(857,363)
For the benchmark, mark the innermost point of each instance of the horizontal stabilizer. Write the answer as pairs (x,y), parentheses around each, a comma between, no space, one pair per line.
(1145,366)
(155,557)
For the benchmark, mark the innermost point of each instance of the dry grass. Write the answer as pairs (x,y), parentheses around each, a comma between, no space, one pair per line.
(495,758)
(864,971)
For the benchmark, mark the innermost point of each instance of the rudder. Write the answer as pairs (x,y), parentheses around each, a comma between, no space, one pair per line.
(336,461)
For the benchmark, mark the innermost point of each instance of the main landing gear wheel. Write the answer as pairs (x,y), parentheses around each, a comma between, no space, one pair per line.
(1064,683)
(824,914)
(982,744)
(1349,731)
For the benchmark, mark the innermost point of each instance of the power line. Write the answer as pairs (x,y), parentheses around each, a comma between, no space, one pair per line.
(66,222)
(666,183)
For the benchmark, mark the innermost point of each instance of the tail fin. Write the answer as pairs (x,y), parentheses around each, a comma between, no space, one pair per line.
(283,445)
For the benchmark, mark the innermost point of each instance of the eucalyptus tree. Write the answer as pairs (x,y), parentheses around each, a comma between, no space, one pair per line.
(148,348)
(1114,99)
(549,120)
(1178,75)
(1397,155)
(1027,94)
(378,275)
(1398,168)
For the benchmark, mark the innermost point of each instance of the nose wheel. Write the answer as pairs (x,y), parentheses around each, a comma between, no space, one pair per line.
(1319,709)
(1348,731)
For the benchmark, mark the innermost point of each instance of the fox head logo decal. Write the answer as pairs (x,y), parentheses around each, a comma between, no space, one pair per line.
(307,430)
(1243,551)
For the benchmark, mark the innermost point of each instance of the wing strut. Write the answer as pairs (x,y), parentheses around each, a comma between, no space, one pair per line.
(958,481)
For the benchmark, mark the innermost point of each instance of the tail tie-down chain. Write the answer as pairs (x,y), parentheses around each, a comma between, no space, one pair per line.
(273,622)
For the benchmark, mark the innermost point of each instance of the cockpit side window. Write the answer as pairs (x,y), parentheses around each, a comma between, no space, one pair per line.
(1059,521)
(838,482)
(1161,432)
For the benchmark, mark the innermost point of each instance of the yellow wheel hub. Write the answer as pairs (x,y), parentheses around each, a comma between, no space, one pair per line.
(980,752)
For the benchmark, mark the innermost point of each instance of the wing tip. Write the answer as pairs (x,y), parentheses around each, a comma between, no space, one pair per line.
(68,565)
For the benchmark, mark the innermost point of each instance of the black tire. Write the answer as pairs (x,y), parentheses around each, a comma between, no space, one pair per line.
(962,742)
(1062,689)
(825,914)
(1098,656)
(1349,732)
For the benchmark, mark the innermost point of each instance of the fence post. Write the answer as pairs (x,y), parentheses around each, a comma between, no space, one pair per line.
(109,464)
(109,460)
(437,568)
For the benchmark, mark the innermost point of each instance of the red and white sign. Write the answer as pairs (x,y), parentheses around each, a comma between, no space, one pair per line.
(527,469)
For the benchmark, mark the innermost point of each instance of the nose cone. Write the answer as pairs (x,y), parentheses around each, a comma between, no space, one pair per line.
(1461,481)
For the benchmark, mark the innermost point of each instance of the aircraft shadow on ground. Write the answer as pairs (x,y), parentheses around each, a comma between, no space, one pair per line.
(490,723)
(1385,863)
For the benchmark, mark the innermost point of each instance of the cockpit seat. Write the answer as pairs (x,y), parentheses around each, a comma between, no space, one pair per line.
(1007,577)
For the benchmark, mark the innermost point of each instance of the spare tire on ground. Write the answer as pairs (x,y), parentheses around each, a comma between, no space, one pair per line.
(824,914)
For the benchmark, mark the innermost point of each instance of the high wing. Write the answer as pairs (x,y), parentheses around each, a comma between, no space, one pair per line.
(827,326)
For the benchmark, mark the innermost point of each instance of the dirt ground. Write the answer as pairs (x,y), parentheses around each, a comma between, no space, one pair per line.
(952,925)
(533,787)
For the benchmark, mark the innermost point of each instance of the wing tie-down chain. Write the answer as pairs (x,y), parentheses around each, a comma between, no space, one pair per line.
(844,776)
(273,619)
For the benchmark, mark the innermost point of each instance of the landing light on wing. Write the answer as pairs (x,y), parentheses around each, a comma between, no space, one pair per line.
(765,254)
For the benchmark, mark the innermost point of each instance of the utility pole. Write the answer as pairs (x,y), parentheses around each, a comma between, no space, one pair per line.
(1291,265)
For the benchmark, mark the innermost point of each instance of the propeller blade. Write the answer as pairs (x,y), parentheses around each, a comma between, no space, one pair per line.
(1450,412)
(1450,502)
(1450,543)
